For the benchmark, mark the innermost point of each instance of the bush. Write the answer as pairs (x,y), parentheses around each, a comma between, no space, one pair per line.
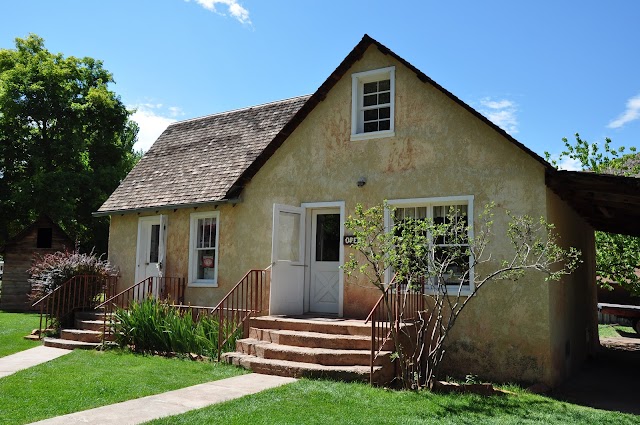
(52,270)
(153,326)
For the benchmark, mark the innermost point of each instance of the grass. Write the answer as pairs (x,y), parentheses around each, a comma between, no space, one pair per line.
(13,327)
(614,331)
(87,379)
(326,402)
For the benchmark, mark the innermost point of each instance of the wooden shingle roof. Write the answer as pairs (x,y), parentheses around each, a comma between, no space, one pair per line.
(198,161)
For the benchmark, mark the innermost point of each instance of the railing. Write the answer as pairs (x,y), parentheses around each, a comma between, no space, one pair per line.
(396,305)
(79,292)
(169,289)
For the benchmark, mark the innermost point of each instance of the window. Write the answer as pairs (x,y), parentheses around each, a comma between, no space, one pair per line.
(203,249)
(373,94)
(45,237)
(450,248)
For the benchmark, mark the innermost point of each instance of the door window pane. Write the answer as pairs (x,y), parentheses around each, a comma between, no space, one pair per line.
(328,237)
(288,236)
(154,248)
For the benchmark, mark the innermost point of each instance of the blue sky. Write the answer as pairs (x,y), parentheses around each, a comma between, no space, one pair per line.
(541,70)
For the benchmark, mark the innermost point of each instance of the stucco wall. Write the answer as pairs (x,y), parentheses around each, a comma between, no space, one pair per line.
(572,301)
(439,149)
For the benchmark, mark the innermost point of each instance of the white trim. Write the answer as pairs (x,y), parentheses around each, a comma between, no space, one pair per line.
(431,202)
(309,206)
(357,81)
(193,220)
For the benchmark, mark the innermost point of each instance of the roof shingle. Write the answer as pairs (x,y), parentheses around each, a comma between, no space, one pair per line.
(199,160)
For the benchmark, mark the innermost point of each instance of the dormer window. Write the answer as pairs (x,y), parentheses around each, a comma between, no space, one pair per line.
(373,95)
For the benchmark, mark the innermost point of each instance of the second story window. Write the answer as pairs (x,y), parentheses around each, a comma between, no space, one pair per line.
(373,94)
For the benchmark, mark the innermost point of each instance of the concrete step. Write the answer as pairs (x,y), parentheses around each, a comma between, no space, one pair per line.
(89,315)
(91,325)
(70,344)
(81,335)
(326,325)
(320,356)
(314,339)
(308,370)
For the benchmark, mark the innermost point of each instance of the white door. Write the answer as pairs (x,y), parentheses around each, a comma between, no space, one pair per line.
(324,273)
(287,261)
(151,251)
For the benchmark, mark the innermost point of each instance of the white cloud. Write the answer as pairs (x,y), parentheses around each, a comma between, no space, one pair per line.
(502,113)
(632,113)
(152,122)
(235,9)
(570,164)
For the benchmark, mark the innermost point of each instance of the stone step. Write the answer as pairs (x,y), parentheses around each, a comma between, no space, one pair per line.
(326,325)
(308,370)
(91,325)
(321,356)
(82,335)
(89,315)
(70,344)
(314,339)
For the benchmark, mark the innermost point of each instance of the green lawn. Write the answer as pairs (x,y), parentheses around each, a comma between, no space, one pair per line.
(613,331)
(325,402)
(13,327)
(87,379)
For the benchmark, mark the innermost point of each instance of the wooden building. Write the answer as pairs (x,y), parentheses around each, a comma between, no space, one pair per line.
(42,237)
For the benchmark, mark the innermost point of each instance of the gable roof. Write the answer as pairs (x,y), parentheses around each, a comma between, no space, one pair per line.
(43,219)
(198,161)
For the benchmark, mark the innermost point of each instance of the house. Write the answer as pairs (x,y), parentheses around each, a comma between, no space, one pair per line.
(272,185)
(42,237)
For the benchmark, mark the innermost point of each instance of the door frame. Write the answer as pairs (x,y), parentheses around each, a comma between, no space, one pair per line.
(140,251)
(309,207)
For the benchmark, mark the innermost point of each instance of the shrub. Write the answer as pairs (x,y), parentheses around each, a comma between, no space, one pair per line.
(153,326)
(49,271)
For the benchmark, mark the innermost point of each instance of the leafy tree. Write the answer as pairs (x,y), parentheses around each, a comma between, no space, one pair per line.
(424,269)
(66,141)
(617,256)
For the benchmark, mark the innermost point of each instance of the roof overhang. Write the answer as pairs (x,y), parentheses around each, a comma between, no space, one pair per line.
(166,207)
(609,203)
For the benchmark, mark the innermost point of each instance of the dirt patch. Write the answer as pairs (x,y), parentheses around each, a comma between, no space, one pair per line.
(611,381)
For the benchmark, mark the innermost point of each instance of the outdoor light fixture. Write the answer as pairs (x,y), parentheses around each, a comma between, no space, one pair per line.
(362,181)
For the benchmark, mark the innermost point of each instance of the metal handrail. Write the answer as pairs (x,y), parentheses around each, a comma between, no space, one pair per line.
(150,286)
(82,291)
(392,307)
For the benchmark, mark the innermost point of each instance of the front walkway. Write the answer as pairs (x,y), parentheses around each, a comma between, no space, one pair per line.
(173,402)
(24,359)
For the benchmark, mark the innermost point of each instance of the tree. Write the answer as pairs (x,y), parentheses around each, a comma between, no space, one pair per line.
(435,261)
(617,256)
(66,141)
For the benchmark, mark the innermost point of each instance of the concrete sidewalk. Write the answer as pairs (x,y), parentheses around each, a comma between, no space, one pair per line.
(27,358)
(173,402)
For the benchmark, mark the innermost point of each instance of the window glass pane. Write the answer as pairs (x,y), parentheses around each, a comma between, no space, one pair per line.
(421,212)
(154,244)
(371,87)
(370,99)
(385,113)
(371,114)
(456,263)
(384,98)
(410,212)
(384,85)
(328,237)
(289,236)
(45,237)
(370,126)
(384,125)
(206,233)
(206,264)
(400,214)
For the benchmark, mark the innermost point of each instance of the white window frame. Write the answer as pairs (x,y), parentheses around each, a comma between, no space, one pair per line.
(466,290)
(357,109)
(193,256)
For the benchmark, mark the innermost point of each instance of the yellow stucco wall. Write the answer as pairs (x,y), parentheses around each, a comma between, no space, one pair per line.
(572,301)
(439,150)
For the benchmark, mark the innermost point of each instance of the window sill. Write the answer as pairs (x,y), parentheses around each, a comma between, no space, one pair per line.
(203,284)
(373,135)
(452,291)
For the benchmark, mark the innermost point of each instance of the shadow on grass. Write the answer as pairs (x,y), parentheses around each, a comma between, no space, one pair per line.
(610,381)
